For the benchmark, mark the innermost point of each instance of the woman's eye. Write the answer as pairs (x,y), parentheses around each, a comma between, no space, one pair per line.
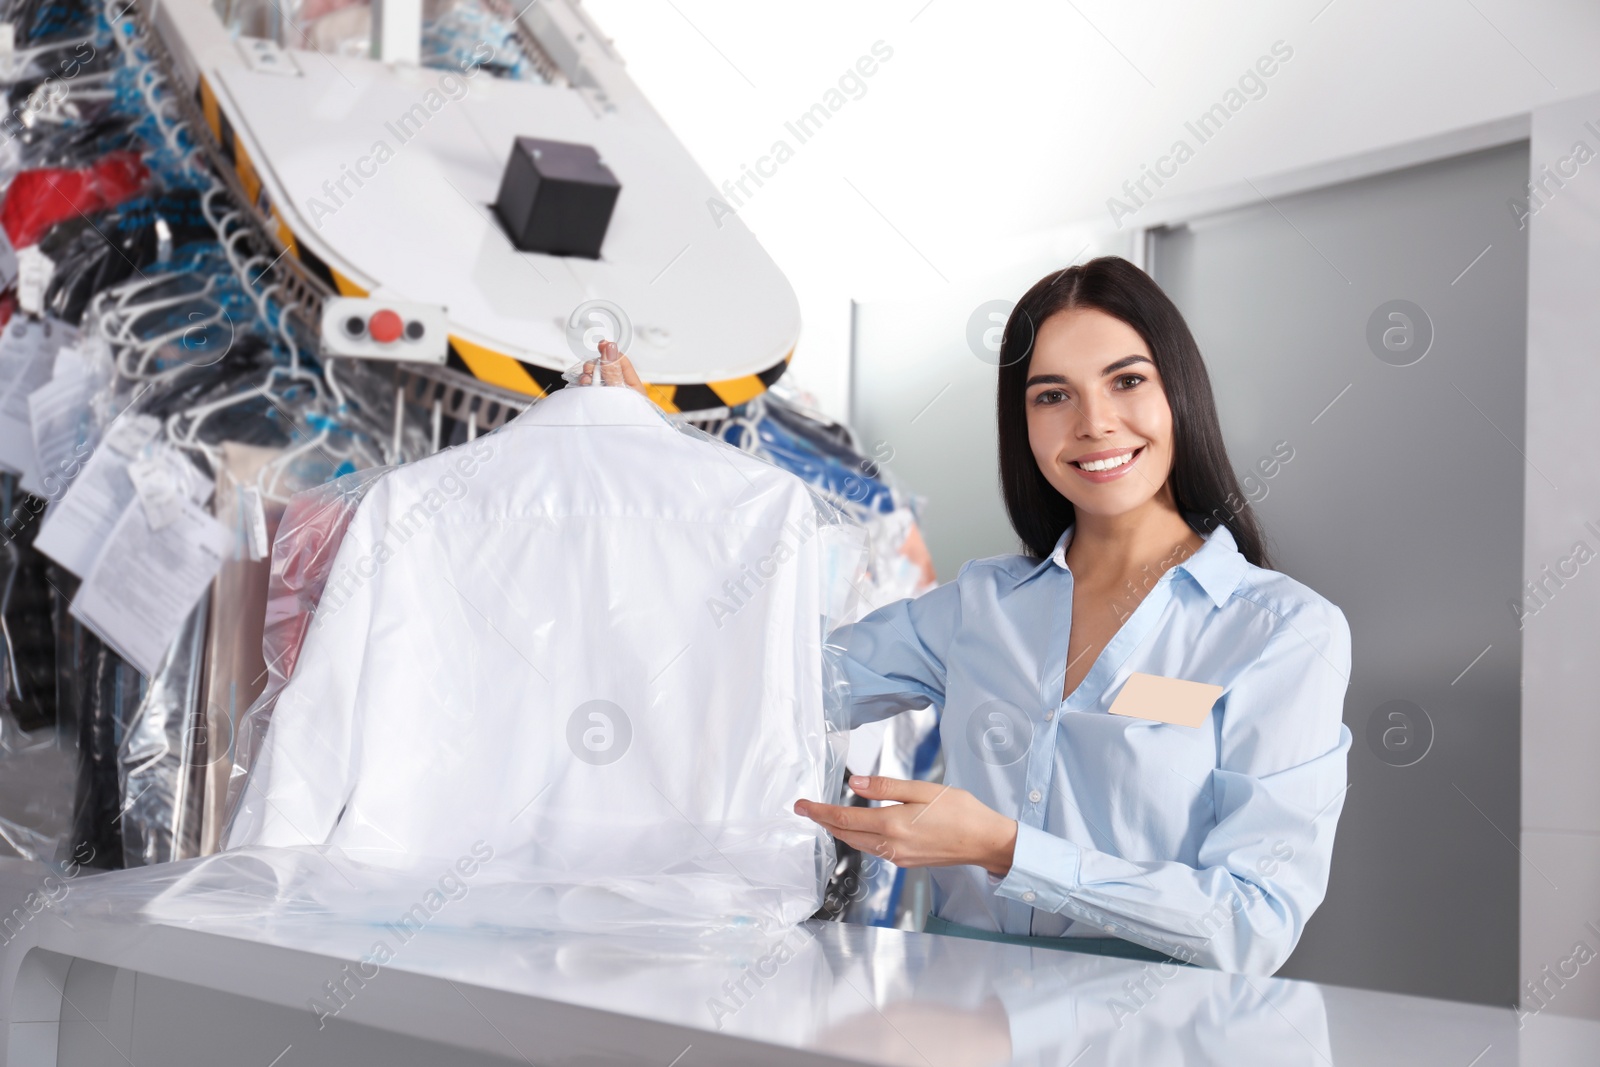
(1050,396)
(1128,381)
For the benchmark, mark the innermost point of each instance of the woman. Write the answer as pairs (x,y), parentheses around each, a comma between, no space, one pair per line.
(1086,805)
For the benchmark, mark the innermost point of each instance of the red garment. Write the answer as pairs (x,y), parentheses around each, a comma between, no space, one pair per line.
(38,199)
(309,536)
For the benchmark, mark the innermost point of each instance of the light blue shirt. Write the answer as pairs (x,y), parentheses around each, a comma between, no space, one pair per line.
(1209,843)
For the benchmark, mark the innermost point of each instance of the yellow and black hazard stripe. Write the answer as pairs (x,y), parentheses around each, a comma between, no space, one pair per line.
(496,368)
(467,357)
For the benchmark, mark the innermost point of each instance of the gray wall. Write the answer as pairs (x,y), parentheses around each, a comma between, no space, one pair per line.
(921,395)
(1403,505)
(1561,633)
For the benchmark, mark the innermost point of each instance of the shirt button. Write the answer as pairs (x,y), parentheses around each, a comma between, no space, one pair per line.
(1110,929)
(1049,715)
(1028,897)
(1036,796)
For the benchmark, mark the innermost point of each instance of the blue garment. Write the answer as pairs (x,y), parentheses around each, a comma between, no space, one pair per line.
(1212,843)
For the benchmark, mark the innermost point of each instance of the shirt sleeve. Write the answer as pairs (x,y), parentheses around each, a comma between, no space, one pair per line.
(1278,790)
(893,659)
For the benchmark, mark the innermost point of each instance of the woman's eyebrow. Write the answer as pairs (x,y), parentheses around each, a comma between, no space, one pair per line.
(1056,379)
(1125,361)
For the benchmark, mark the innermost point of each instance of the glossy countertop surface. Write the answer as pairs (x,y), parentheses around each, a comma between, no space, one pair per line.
(823,993)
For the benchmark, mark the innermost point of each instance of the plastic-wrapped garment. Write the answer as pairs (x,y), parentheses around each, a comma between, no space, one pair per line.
(104,696)
(235,671)
(38,199)
(39,21)
(91,253)
(27,604)
(307,540)
(160,810)
(590,644)
(466,34)
(455,33)
(58,105)
(37,773)
(38,769)
(854,479)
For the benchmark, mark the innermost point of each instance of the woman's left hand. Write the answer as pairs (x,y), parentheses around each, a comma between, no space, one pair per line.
(930,826)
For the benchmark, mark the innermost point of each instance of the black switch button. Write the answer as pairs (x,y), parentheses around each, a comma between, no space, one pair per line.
(556,197)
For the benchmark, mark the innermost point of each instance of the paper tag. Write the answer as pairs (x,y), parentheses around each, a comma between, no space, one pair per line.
(146,581)
(128,434)
(1170,700)
(255,522)
(27,356)
(155,483)
(79,524)
(69,363)
(61,423)
(162,480)
(34,270)
(196,486)
(8,37)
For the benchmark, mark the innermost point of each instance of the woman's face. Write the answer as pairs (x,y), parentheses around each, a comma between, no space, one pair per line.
(1098,419)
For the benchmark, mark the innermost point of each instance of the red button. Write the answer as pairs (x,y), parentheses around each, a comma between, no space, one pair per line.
(385,326)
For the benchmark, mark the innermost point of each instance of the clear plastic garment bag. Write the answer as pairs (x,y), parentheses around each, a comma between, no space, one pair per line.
(572,674)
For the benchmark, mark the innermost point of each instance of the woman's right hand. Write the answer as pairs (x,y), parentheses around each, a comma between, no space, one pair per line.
(615,369)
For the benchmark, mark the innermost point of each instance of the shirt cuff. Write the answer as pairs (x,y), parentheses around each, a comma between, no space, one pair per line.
(1044,869)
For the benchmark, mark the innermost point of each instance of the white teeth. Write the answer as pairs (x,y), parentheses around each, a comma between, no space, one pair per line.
(1106,464)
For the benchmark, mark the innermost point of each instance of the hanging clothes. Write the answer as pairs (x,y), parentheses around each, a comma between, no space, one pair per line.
(38,199)
(235,671)
(595,643)
(27,601)
(160,815)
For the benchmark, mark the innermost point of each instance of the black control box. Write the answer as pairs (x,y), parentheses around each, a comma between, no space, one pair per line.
(556,197)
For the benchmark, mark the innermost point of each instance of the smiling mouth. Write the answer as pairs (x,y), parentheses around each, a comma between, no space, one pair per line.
(1096,466)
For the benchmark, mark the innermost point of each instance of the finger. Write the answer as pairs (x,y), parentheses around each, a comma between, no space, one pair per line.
(838,817)
(610,363)
(877,787)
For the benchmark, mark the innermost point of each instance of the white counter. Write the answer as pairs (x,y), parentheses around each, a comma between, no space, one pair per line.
(97,989)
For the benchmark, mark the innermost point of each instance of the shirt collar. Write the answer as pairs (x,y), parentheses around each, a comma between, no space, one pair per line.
(1216,566)
(591,405)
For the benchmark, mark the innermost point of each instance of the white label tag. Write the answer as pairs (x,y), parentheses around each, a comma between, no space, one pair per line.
(255,522)
(162,480)
(77,525)
(27,355)
(8,37)
(34,270)
(155,482)
(70,362)
(146,581)
(128,434)
(61,423)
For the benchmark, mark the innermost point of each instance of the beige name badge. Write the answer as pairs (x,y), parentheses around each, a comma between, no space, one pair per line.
(1172,700)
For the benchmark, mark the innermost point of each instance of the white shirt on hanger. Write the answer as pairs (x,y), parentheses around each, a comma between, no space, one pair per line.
(589,640)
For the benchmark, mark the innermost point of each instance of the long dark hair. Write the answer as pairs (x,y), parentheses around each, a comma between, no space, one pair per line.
(1203,485)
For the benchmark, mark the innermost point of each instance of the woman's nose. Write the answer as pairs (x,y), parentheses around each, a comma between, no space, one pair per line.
(1094,416)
